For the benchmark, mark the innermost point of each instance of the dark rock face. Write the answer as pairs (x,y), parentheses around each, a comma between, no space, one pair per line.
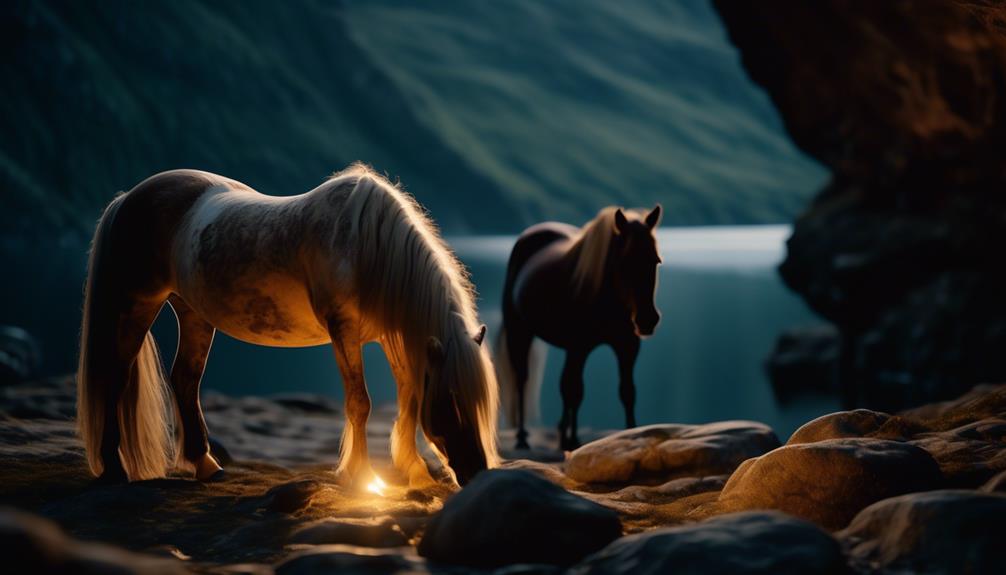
(829,481)
(932,532)
(513,516)
(901,250)
(804,359)
(665,451)
(753,542)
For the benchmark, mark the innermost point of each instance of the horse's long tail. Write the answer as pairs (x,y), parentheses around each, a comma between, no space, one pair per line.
(143,425)
(508,379)
(508,366)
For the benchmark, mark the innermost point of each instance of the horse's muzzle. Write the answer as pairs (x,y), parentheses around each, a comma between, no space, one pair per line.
(647,323)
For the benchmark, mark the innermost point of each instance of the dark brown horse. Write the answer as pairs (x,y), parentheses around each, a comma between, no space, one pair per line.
(577,288)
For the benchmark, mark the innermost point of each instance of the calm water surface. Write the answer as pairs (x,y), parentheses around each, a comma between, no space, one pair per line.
(722,303)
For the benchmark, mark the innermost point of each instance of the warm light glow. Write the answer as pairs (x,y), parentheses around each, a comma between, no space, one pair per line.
(377,486)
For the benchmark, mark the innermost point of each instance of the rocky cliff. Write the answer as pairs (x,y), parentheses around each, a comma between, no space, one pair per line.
(902,248)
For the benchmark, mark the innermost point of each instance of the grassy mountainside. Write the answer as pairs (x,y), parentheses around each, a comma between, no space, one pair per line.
(494,114)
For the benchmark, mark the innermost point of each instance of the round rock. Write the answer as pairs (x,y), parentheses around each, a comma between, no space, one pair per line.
(665,451)
(511,516)
(829,481)
(949,531)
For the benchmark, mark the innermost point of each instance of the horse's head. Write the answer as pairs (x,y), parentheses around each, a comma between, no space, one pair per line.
(636,257)
(458,412)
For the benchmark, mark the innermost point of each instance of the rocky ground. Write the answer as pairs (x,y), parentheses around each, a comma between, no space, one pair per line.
(862,491)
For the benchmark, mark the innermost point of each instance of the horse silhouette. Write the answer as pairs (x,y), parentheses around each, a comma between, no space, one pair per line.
(352,261)
(577,288)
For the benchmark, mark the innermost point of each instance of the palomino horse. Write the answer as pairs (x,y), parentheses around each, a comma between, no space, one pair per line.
(577,288)
(352,261)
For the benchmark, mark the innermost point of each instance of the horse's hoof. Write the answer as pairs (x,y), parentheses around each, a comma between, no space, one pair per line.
(207,468)
(217,477)
(522,444)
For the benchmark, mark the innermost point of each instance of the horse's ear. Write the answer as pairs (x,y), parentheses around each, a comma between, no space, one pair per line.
(653,218)
(435,352)
(621,222)
(481,335)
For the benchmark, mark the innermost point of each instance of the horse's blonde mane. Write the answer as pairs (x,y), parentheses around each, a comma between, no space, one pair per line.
(412,287)
(590,249)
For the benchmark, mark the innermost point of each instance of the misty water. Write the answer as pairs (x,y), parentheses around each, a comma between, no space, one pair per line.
(723,305)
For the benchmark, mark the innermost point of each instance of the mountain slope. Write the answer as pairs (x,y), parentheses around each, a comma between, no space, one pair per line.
(495,115)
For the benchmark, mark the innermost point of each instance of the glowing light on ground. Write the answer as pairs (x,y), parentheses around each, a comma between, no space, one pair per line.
(377,486)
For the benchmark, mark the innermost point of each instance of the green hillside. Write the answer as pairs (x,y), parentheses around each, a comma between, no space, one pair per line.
(494,114)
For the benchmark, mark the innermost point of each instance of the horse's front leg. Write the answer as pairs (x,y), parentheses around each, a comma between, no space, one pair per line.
(354,463)
(627,351)
(403,437)
(571,387)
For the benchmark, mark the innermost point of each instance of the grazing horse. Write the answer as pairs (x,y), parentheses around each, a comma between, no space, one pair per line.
(352,261)
(577,288)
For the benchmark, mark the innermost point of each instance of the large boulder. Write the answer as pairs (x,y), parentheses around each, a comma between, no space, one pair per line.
(932,532)
(752,542)
(829,481)
(902,249)
(657,453)
(511,516)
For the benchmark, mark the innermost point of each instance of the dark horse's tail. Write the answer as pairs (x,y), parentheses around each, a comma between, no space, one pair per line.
(520,359)
(132,387)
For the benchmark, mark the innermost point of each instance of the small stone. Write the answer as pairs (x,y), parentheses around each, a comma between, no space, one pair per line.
(349,559)
(293,496)
(376,533)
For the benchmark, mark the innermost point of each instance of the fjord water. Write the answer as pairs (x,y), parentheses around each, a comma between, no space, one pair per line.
(723,305)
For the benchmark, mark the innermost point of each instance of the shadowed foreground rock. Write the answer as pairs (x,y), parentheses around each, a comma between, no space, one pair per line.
(513,516)
(752,542)
(933,532)
(34,545)
(828,482)
(666,451)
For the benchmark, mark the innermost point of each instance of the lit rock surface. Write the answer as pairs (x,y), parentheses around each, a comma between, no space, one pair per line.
(666,451)
(856,423)
(752,542)
(954,531)
(828,482)
(513,516)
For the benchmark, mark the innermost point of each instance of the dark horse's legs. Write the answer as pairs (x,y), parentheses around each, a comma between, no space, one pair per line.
(571,386)
(627,351)
(195,336)
(518,341)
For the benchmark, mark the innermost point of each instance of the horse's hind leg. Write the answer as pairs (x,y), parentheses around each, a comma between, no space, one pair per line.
(571,386)
(118,368)
(518,349)
(195,337)
(354,464)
